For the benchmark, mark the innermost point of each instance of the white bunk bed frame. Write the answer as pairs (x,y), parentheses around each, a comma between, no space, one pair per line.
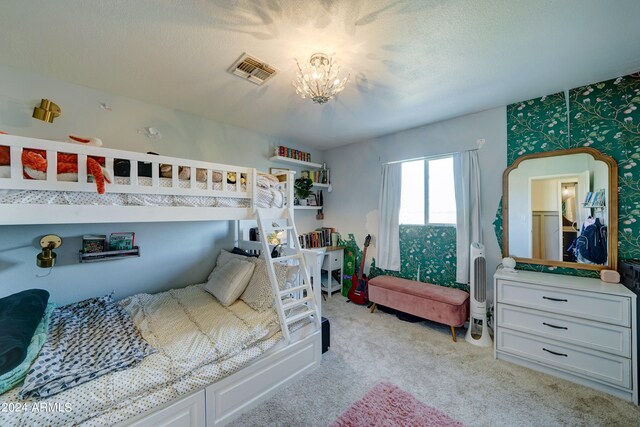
(220,402)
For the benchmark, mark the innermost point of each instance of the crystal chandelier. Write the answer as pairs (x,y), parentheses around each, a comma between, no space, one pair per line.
(319,79)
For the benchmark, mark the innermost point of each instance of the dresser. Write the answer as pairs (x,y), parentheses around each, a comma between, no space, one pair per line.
(580,329)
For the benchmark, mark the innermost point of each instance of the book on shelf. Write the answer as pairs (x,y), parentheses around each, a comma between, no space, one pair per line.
(588,198)
(122,241)
(92,243)
(318,238)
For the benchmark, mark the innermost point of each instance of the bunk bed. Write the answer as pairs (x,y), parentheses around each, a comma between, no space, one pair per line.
(208,394)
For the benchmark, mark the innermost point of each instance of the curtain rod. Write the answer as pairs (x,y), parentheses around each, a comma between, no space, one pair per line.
(435,156)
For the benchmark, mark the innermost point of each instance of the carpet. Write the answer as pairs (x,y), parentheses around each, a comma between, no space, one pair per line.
(387,405)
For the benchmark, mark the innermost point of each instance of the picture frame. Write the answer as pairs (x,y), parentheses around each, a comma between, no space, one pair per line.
(312,200)
(276,171)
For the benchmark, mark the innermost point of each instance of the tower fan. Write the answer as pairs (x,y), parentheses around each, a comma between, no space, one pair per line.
(478,332)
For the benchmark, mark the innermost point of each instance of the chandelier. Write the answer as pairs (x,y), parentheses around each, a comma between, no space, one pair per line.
(319,79)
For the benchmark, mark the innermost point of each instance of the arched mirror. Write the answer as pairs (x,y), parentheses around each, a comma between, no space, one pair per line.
(560,208)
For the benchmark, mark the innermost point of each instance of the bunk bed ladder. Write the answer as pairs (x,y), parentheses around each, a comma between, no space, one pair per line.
(296,303)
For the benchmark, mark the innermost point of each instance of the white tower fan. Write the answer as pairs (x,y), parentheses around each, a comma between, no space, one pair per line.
(478,332)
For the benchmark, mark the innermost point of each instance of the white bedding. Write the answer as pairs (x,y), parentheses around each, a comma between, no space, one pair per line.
(267,196)
(198,342)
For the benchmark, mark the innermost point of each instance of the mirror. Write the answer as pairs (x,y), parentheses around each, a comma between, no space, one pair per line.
(560,208)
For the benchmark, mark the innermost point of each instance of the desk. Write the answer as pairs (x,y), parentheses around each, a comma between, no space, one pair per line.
(332,261)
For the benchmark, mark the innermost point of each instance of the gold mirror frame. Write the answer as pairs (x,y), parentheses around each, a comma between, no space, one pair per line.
(612,206)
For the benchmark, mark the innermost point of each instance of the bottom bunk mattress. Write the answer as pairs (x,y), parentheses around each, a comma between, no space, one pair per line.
(268,196)
(197,342)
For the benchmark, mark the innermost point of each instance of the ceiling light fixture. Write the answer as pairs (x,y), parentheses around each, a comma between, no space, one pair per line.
(319,79)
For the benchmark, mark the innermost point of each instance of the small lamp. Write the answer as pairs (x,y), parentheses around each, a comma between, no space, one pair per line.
(47,111)
(47,258)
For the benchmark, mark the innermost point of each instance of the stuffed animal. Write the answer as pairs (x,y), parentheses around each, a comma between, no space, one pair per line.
(183,172)
(35,164)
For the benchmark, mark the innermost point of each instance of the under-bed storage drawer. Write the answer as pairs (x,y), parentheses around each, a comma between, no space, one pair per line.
(595,365)
(587,305)
(247,388)
(571,330)
(186,412)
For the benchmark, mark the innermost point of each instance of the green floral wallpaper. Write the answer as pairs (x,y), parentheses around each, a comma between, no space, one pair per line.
(604,116)
(537,125)
(430,248)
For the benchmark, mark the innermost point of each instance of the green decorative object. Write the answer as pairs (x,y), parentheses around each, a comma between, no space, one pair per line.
(605,116)
(302,187)
(351,256)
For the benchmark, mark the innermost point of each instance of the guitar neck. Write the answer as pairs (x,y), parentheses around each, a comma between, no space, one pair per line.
(364,255)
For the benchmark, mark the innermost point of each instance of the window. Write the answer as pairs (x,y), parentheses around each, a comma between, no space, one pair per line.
(428,194)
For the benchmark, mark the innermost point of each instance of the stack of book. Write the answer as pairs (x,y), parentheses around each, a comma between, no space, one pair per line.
(292,153)
(319,238)
(319,177)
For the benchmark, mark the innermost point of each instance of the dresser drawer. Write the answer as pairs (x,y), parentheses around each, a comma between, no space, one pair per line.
(587,305)
(595,365)
(571,330)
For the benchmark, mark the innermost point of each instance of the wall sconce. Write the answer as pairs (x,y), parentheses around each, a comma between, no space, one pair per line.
(47,258)
(47,111)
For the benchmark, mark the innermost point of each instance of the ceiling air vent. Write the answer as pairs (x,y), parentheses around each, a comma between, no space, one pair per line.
(252,69)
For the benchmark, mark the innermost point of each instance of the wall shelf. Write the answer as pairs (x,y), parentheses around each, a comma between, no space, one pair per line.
(308,207)
(295,162)
(108,255)
(317,184)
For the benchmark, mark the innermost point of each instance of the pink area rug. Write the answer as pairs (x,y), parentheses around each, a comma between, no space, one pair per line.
(387,405)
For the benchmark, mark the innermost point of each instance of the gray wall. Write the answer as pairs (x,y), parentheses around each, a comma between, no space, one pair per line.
(173,254)
(356,169)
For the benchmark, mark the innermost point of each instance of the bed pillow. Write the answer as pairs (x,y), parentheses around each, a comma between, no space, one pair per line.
(229,280)
(226,256)
(259,294)
(16,376)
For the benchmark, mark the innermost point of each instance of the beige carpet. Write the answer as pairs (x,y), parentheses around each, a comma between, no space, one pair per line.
(461,380)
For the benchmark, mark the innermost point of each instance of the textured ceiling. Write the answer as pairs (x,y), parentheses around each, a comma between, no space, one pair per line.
(411,62)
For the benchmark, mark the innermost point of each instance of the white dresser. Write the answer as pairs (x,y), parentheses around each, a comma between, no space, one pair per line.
(576,328)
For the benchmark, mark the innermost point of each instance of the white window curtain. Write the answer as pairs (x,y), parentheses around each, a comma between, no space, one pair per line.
(466,172)
(388,241)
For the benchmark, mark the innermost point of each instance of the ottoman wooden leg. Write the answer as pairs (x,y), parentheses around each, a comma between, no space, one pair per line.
(453,333)
(373,307)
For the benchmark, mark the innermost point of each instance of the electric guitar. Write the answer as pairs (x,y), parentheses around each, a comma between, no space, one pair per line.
(359,292)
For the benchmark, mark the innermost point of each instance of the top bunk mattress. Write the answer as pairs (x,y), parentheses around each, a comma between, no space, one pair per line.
(267,196)
(198,342)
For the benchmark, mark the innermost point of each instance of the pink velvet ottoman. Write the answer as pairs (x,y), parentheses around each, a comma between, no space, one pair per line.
(438,303)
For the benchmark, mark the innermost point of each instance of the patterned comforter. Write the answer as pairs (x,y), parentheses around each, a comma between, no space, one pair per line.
(198,342)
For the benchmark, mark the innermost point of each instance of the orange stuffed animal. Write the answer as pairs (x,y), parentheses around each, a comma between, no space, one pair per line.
(34,163)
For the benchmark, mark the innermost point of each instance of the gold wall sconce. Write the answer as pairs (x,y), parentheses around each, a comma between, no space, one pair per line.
(47,111)
(47,258)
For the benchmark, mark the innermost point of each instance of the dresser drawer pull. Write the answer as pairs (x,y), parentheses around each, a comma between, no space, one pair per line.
(554,326)
(555,299)
(553,352)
